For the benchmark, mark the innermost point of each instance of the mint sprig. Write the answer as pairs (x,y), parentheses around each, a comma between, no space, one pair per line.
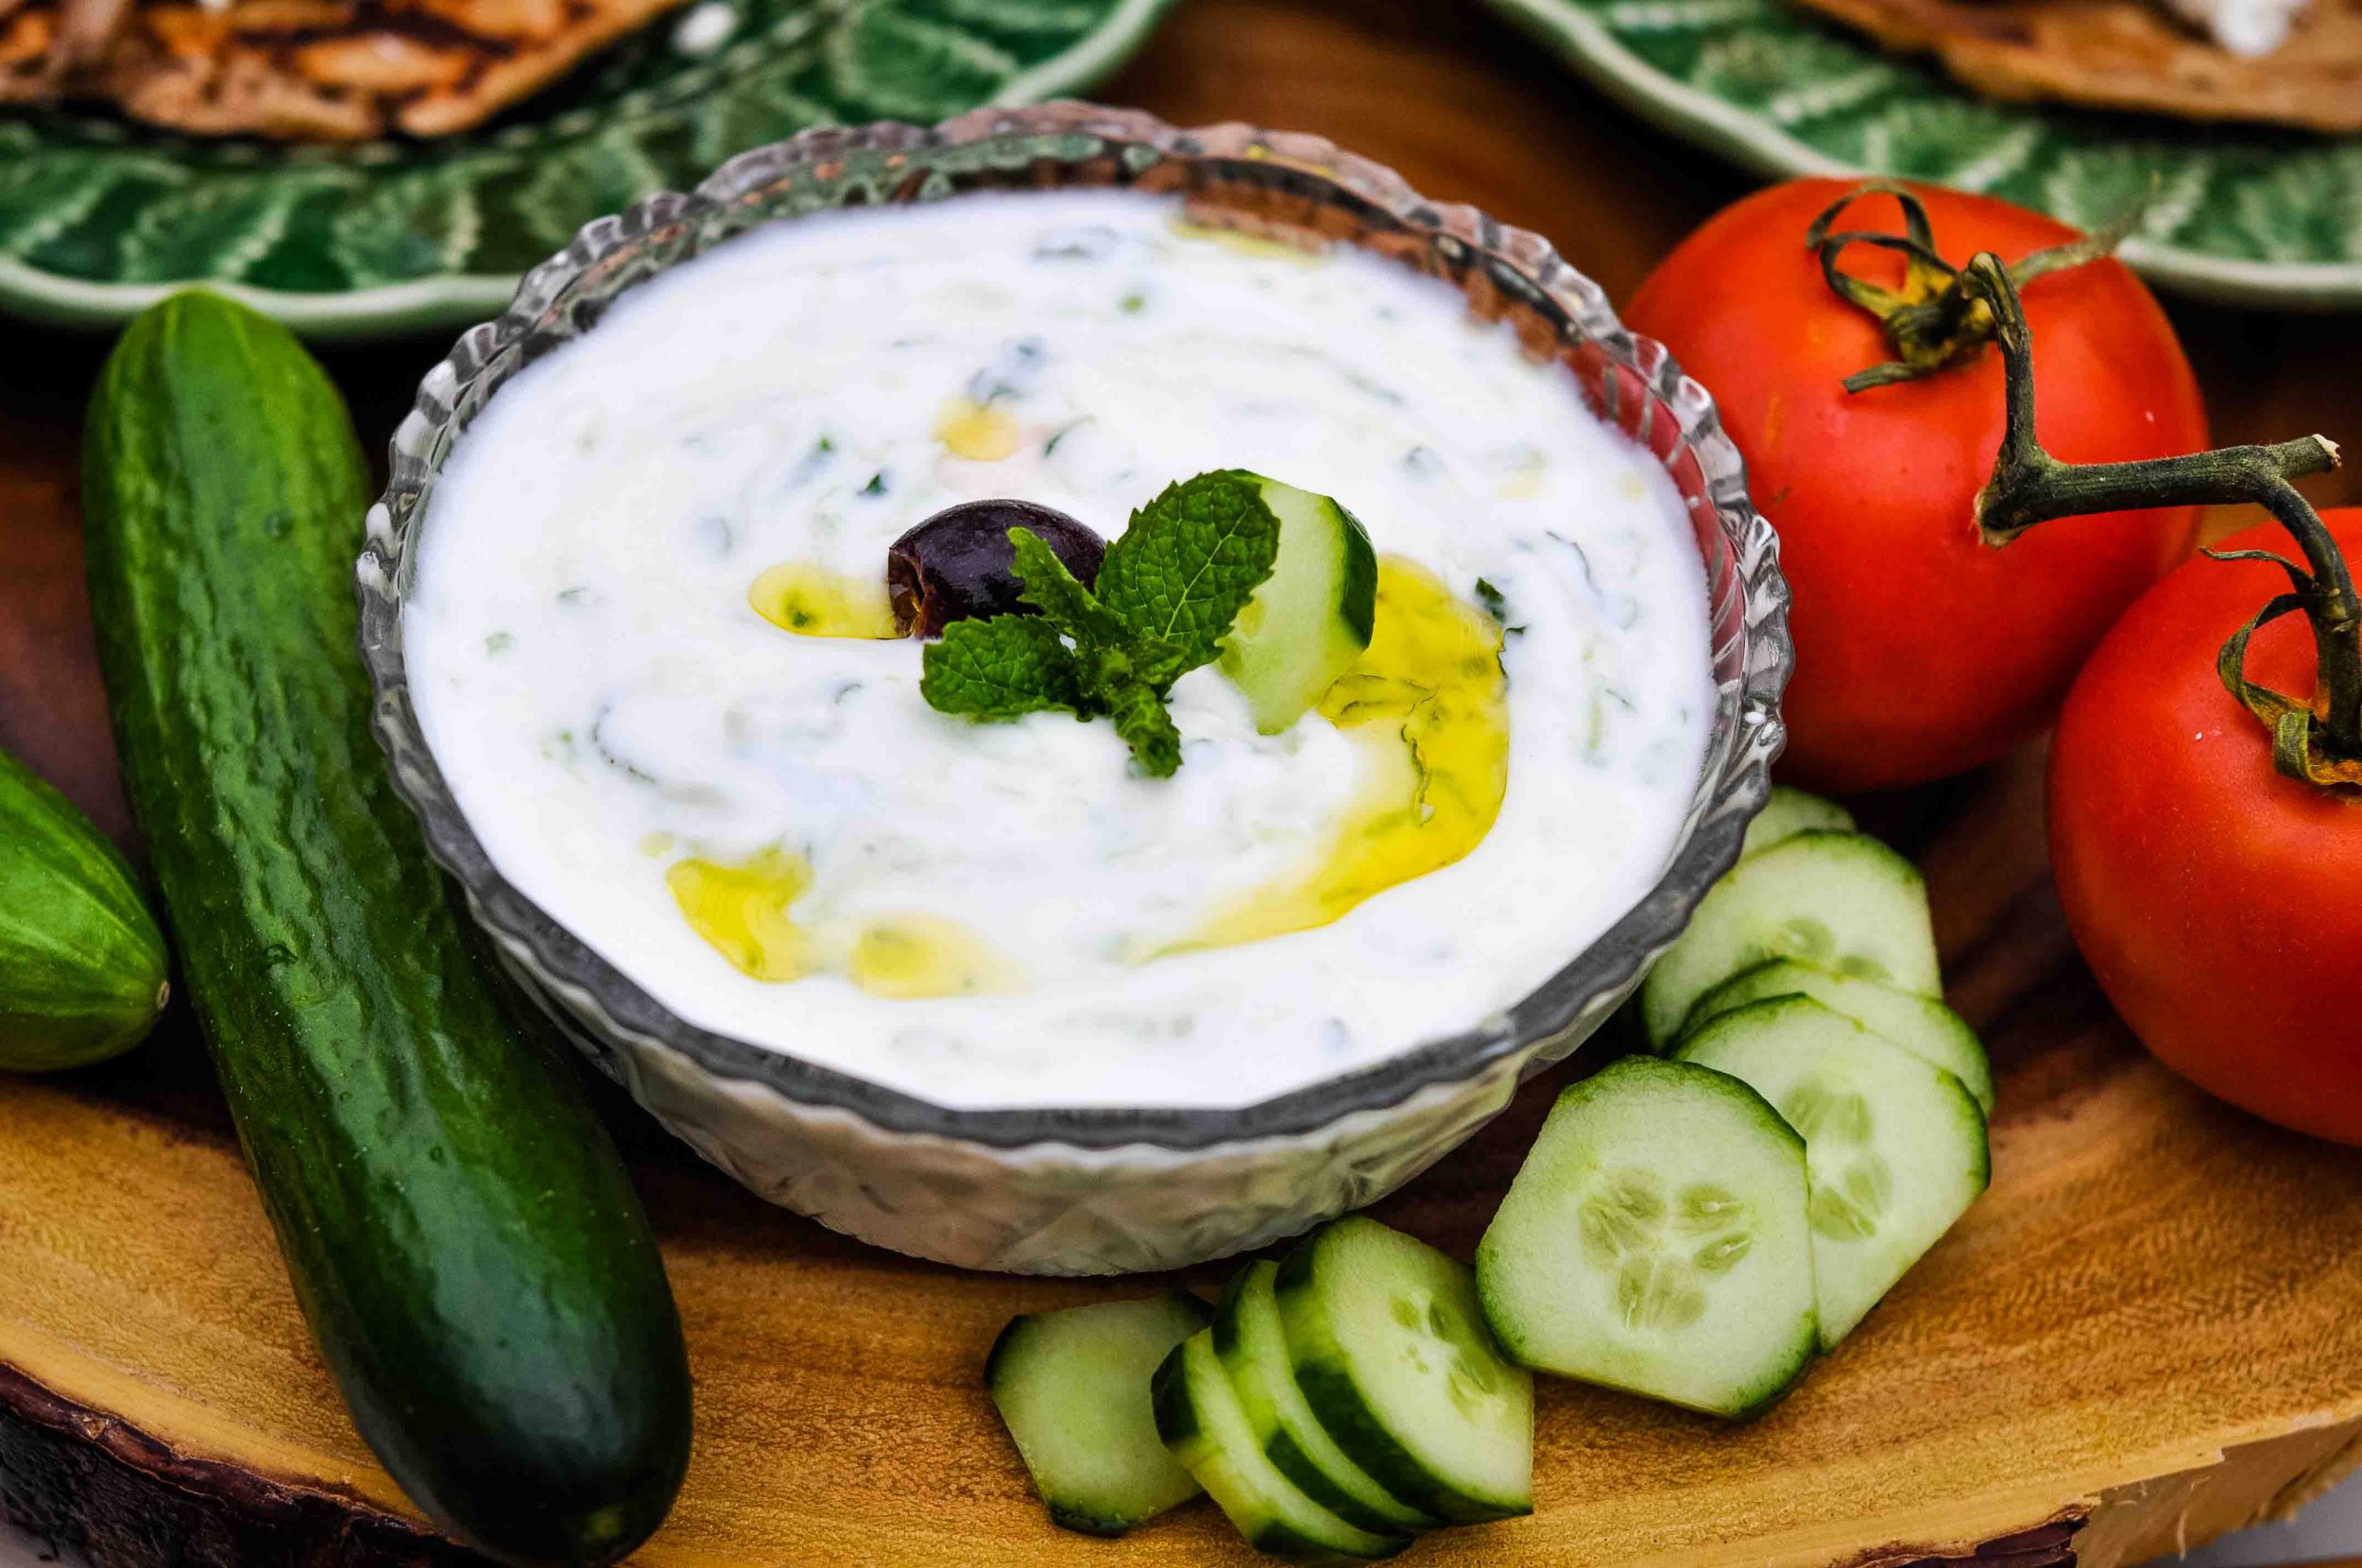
(1168,592)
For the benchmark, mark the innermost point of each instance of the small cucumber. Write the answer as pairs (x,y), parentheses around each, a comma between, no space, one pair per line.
(82,972)
(1392,1352)
(1072,1388)
(1789,812)
(1841,900)
(1254,1350)
(461,1235)
(1198,1416)
(1312,618)
(1895,1149)
(1655,1241)
(1921,1025)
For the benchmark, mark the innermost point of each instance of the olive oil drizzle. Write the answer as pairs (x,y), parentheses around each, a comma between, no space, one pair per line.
(745,912)
(811,600)
(1428,704)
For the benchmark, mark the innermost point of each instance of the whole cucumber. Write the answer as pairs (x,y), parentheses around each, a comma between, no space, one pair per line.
(82,972)
(461,1234)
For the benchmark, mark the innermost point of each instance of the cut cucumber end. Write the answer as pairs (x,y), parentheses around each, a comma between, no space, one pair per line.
(1254,1350)
(1657,1241)
(1072,1389)
(1895,1149)
(1200,1420)
(1921,1025)
(1844,901)
(1312,618)
(1391,1350)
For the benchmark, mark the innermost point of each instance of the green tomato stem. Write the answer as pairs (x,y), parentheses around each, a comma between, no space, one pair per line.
(2320,742)
(1933,321)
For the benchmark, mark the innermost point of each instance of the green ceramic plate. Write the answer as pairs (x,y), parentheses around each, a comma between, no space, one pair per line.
(2243,215)
(99,217)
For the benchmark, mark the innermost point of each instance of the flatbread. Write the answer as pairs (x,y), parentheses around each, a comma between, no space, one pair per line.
(2128,55)
(315,69)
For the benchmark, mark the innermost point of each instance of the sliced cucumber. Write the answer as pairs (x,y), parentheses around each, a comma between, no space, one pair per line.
(1655,1241)
(1312,618)
(1841,900)
(1895,1148)
(1254,1350)
(1073,1387)
(1789,812)
(1921,1025)
(1198,1415)
(1392,1352)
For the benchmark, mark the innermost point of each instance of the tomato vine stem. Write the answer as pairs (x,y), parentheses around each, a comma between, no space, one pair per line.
(2320,742)
(1933,321)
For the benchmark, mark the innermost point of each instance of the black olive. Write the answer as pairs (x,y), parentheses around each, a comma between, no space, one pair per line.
(958,565)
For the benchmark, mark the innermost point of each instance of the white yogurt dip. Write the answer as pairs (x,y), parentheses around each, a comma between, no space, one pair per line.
(610,708)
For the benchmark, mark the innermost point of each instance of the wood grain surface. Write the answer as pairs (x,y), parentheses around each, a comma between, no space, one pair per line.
(2149,1331)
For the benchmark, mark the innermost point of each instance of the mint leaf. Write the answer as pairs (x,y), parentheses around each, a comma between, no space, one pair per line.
(1003,668)
(1168,592)
(1189,563)
(1147,727)
(1051,589)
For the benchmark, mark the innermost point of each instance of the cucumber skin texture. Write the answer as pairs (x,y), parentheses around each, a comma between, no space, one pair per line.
(1281,1447)
(1350,1421)
(1177,1424)
(461,1235)
(83,974)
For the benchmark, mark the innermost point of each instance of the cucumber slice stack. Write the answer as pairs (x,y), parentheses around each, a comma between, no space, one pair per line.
(1341,1402)
(1895,1148)
(1695,1229)
(1349,1397)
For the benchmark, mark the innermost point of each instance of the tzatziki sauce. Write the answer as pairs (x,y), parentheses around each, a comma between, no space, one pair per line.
(775,835)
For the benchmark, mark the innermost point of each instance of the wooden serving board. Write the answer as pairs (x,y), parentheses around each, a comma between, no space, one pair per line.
(2149,1331)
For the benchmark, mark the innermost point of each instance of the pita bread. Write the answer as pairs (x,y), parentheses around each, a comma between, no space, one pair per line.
(317,70)
(2128,55)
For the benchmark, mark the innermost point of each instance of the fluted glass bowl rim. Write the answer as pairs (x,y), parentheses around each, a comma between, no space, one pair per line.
(1734,783)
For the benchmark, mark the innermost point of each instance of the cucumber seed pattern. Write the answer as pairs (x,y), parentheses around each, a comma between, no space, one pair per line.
(1661,1252)
(1440,1340)
(1851,1184)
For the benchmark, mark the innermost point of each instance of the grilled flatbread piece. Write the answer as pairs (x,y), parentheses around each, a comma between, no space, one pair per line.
(321,70)
(2127,55)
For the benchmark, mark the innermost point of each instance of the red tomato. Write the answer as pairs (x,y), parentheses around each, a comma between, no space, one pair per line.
(1921,651)
(2214,896)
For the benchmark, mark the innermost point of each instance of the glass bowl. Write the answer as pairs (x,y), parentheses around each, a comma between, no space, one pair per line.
(1098,1189)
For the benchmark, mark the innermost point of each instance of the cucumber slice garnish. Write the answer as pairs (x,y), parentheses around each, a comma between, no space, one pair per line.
(1392,1352)
(1199,1418)
(1895,1148)
(1655,1241)
(1312,618)
(1073,1387)
(1840,900)
(1921,1025)
(1789,812)
(1253,1351)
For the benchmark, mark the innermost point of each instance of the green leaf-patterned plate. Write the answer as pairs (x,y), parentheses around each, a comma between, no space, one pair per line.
(98,217)
(2244,216)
